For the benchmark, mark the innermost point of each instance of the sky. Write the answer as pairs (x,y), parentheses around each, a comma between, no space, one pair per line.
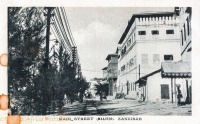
(97,31)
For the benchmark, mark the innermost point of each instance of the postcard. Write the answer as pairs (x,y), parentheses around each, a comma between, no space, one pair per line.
(98,62)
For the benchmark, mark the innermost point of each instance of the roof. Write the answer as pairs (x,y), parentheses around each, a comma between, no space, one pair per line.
(105,68)
(144,78)
(176,70)
(104,82)
(109,55)
(142,15)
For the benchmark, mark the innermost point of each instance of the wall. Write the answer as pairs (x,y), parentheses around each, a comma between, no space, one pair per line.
(151,48)
(185,42)
(154,87)
(147,44)
(105,74)
(112,70)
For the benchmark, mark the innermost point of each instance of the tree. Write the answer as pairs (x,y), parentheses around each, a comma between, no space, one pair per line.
(27,71)
(26,28)
(101,90)
(82,87)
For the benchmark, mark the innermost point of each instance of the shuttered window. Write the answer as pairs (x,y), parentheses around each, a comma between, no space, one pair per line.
(164,91)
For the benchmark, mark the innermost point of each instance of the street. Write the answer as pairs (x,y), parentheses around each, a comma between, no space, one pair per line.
(146,64)
(125,107)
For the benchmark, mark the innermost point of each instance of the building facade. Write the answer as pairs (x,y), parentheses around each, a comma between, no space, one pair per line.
(148,40)
(112,73)
(105,72)
(182,70)
(186,45)
(185,14)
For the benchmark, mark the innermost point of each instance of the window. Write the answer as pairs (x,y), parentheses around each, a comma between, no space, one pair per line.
(155,32)
(156,58)
(182,37)
(144,58)
(168,57)
(123,51)
(131,62)
(188,27)
(131,87)
(129,43)
(169,31)
(123,68)
(141,32)
(127,65)
(128,87)
(184,32)
(164,91)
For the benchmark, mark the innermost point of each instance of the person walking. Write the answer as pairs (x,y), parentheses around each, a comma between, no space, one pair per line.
(179,96)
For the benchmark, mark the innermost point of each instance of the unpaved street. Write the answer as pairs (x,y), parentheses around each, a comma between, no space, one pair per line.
(126,107)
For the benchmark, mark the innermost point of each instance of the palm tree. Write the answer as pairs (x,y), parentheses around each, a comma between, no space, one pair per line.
(101,90)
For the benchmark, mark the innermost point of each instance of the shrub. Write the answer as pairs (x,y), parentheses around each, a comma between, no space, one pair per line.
(119,95)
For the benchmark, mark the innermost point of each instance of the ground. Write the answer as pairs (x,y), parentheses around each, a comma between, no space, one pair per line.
(125,107)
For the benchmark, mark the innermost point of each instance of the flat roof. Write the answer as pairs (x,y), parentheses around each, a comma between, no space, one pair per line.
(109,55)
(105,68)
(142,15)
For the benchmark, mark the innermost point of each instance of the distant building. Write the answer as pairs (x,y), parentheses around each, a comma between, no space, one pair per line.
(111,73)
(148,40)
(105,72)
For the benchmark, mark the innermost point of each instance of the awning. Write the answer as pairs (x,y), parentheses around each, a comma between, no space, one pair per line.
(176,70)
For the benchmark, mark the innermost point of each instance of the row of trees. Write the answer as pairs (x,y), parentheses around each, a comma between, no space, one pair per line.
(26,71)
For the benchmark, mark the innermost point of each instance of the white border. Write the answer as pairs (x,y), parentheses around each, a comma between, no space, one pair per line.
(194,119)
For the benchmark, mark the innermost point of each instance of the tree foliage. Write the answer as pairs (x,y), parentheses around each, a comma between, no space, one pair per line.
(101,90)
(26,71)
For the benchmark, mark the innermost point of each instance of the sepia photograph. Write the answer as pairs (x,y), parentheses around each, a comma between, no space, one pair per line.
(94,61)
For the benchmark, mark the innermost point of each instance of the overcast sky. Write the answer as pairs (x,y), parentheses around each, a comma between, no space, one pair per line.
(97,31)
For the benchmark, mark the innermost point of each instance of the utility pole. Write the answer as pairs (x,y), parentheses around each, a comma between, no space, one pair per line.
(49,14)
(79,72)
(74,59)
(139,71)
(46,64)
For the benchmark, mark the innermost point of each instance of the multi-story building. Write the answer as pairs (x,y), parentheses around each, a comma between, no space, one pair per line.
(148,40)
(186,45)
(185,14)
(111,73)
(182,70)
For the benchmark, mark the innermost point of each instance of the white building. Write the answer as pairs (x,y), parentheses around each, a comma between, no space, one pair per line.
(185,14)
(182,70)
(149,39)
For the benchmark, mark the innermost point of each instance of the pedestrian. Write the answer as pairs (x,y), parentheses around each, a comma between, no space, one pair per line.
(179,96)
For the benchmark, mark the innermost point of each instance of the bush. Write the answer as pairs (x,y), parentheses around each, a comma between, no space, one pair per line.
(119,95)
